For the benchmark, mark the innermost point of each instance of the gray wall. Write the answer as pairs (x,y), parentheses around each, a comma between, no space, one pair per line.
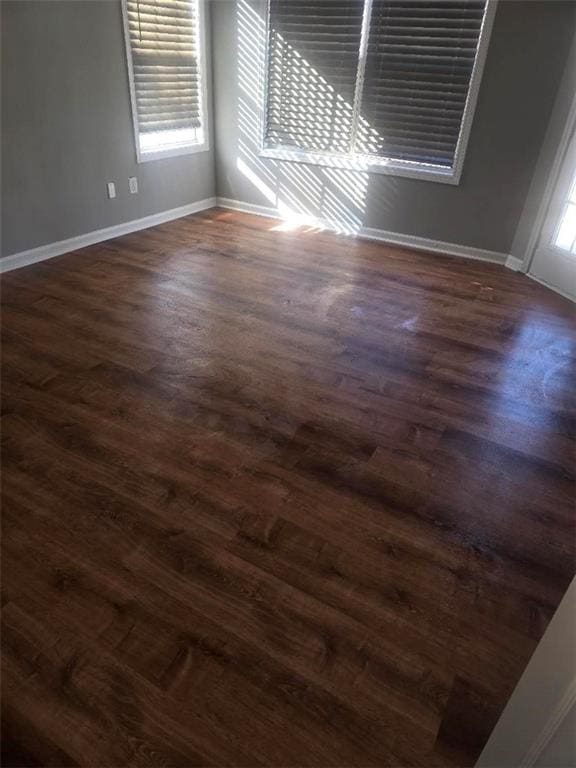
(529,45)
(67,127)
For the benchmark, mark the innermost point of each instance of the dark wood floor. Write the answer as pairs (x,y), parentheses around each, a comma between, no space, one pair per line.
(276,499)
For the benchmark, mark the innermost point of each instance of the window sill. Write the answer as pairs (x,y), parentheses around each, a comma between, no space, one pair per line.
(162,154)
(367,165)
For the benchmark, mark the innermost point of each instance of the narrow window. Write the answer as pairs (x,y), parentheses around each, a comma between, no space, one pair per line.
(166,66)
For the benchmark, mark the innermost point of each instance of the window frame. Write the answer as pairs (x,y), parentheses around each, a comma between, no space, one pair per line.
(184,149)
(389,166)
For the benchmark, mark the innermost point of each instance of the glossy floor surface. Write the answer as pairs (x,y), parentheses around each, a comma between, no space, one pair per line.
(276,499)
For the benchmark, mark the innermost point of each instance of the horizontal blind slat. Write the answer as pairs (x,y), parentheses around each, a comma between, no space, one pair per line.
(166,124)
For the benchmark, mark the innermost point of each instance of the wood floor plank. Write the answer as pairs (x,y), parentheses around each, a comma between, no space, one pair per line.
(277,498)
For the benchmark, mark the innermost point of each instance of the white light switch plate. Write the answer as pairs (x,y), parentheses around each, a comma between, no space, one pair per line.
(133,185)
(111,189)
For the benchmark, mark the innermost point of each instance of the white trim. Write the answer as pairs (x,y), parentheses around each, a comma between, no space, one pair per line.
(173,151)
(551,286)
(360,72)
(550,727)
(435,246)
(130,67)
(542,698)
(162,154)
(474,89)
(514,263)
(389,166)
(49,251)
(239,205)
(550,187)
(262,111)
(203,58)
(363,164)
(368,233)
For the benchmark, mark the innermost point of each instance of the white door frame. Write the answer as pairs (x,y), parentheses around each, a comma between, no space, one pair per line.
(553,176)
(552,265)
(544,696)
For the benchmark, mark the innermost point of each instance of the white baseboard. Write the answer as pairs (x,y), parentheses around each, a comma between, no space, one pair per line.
(368,233)
(514,263)
(554,288)
(49,251)
(434,246)
(43,252)
(257,210)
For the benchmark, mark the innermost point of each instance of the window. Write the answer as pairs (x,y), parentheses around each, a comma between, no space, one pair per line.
(380,85)
(565,236)
(166,67)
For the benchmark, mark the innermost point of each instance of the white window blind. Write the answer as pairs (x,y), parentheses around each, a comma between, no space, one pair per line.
(165,62)
(389,83)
